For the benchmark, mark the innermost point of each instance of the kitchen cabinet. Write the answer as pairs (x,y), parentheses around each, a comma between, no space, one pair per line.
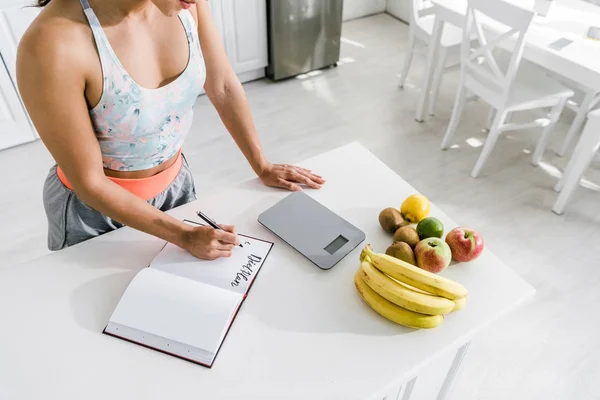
(15,127)
(242,25)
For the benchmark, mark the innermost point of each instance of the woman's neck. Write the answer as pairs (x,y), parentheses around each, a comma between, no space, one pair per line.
(117,10)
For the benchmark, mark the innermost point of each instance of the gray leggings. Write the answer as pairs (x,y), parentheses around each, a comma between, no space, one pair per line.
(71,221)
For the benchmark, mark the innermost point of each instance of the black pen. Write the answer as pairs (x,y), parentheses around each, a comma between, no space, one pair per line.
(211,222)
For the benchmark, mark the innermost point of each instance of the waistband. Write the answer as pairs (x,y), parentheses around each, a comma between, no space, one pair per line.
(145,188)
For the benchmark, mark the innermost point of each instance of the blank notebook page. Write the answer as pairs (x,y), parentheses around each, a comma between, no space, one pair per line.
(177,308)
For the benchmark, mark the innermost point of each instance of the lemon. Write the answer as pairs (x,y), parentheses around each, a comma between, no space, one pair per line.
(415,208)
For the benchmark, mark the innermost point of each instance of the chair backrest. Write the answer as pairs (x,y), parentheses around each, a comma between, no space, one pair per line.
(420,8)
(499,28)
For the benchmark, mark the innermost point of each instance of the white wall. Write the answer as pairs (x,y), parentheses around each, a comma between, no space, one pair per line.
(399,9)
(361,8)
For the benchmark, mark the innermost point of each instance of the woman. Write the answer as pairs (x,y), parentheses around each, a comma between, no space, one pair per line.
(110,86)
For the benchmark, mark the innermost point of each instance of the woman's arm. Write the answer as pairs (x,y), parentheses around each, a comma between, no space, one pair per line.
(51,76)
(226,93)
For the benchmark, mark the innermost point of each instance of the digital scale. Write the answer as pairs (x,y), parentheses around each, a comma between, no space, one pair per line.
(312,229)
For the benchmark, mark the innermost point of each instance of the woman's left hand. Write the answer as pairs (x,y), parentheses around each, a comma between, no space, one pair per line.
(290,177)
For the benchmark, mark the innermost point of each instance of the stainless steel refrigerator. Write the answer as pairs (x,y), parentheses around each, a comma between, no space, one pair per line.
(304,35)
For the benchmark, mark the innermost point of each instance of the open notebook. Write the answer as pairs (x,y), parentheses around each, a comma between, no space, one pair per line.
(184,306)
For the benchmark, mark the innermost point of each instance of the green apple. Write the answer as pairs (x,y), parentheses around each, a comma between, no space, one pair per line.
(433,254)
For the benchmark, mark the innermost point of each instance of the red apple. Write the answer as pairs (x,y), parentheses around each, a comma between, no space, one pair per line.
(466,243)
(433,254)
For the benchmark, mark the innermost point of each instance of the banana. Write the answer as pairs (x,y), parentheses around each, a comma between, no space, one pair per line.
(391,311)
(414,276)
(459,303)
(401,295)
(406,285)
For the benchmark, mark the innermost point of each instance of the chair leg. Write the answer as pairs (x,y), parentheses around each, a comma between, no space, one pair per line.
(434,44)
(548,129)
(585,151)
(437,80)
(490,119)
(407,58)
(459,104)
(572,179)
(490,142)
(575,128)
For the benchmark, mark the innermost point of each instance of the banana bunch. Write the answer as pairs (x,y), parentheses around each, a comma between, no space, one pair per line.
(405,294)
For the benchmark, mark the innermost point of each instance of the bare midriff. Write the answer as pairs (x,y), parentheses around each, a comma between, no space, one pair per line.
(146,173)
(145,184)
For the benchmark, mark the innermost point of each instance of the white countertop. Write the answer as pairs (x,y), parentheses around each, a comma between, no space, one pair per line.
(303,333)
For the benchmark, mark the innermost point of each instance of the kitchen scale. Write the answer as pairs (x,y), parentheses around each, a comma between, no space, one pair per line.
(312,229)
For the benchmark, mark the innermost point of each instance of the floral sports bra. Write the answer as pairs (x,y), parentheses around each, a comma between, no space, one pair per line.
(139,128)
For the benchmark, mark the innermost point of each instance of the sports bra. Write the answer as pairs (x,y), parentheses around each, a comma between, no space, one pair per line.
(139,128)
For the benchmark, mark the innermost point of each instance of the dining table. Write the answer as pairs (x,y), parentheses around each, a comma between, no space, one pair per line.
(576,64)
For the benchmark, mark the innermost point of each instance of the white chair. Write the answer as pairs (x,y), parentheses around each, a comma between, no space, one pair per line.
(584,153)
(584,101)
(500,81)
(421,28)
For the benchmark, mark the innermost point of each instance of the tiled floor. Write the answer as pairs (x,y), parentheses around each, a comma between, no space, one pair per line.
(545,349)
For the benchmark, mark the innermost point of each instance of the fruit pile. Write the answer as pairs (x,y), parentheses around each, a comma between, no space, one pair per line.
(404,293)
(403,284)
(422,245)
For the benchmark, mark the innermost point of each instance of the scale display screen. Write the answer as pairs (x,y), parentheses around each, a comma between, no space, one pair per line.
(337,244)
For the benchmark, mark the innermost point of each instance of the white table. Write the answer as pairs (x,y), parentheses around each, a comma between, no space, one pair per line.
(578,62)
(303,333)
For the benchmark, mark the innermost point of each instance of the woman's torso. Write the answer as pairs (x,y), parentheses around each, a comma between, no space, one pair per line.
(141,88)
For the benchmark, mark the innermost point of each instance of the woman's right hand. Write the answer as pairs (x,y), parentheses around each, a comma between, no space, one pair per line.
(208,243)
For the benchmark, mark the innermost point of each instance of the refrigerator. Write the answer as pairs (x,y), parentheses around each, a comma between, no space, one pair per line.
(303,36)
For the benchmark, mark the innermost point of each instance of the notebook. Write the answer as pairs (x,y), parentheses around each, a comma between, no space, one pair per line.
(184,306)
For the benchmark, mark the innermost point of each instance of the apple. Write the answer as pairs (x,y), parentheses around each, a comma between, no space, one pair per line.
(433,254)
(465,243)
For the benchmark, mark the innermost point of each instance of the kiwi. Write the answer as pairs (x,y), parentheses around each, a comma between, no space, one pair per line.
(401,251)
(407,234)
(390,220)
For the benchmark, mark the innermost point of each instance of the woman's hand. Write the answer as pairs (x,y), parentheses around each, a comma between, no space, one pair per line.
(290,177)
(208,243)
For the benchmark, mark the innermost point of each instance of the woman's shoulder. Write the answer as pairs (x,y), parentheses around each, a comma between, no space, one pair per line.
(59,34)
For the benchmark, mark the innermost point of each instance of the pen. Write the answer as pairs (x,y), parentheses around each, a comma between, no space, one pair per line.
(211,222)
